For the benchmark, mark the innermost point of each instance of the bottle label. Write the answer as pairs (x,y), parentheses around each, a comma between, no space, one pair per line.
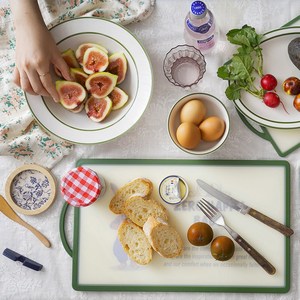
(207,43)
(202,28)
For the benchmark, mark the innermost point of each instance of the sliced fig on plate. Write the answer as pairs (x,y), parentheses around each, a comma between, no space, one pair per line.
(70,58)
(83,47)
(118,97)
(94,60)
(78,108)
(79,75)
(118,65)
(71,94)
(101,84)
(97,109)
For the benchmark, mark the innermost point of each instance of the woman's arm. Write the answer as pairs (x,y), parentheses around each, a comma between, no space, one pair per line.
(35,50)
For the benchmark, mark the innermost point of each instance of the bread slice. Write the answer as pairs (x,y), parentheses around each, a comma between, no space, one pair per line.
(135,242)
(138,210)
(140,186)
(163,238)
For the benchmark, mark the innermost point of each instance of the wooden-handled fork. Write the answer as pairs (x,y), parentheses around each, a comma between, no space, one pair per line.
(10,213)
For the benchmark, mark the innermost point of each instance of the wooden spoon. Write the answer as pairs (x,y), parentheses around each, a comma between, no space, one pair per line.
(10,213)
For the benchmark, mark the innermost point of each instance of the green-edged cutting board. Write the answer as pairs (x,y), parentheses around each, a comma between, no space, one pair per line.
(100,264)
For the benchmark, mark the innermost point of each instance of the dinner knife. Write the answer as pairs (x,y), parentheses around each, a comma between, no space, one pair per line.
(244,209)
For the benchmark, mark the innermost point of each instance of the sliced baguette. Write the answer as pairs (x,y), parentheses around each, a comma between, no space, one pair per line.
(138,210)
(164,239)
(140,186)
(135,242)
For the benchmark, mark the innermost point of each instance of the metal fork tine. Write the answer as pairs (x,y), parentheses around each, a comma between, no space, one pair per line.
(203,210)
(206,209)
(209,206)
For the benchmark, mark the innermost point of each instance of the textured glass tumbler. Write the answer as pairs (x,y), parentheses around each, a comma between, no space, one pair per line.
(184,66)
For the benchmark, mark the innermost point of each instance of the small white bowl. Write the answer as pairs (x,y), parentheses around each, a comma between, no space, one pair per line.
(214,107)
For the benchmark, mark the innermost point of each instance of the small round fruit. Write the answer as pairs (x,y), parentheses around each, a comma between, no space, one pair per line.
(212,128)
(297,102)
(193,111)
(188,135)
(200,234)
(222,248)
(291,86)
(268,82)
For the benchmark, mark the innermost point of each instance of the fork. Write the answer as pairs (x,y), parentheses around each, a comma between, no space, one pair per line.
(213,214)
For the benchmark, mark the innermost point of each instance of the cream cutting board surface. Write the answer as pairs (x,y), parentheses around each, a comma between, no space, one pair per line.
(99,262)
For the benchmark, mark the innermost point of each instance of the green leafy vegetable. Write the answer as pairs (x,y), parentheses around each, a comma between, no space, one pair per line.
(241,68)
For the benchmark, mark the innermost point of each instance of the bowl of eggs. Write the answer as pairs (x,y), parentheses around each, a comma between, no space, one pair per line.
(198,123)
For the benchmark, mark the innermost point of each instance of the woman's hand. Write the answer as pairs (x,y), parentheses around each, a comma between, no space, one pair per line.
(36,51)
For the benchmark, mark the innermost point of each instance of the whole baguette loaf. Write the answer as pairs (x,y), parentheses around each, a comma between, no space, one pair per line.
(135,242)
(140,186)
(138,210)
(164,239)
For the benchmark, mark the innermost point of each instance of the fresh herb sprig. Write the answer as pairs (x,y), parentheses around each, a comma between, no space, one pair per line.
(241,68)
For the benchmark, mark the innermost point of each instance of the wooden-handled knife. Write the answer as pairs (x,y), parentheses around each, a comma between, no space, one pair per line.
(244,209)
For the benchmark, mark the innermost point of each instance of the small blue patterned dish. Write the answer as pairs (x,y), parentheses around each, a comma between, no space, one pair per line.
(30,189)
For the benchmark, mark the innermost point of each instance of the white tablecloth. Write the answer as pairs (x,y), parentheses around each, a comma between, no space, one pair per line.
(149,139)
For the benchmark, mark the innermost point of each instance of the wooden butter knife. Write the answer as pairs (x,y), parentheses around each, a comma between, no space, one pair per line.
(10,213)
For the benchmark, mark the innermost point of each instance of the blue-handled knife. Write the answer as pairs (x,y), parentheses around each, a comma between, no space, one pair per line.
(244,209)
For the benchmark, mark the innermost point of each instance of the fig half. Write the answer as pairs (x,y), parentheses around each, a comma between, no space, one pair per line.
(79,75)
(118,65)
(97,109)
(83,47)
(70,58)
(78,108)
(94,60)
(71,94)
(118,97)
(101,84)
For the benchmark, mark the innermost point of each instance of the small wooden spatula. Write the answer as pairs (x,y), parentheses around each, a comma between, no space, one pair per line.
(10,213)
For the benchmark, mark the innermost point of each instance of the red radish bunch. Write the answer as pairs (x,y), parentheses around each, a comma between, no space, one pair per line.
(268,82)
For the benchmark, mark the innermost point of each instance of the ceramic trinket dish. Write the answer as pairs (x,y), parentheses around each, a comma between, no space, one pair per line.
(30,189)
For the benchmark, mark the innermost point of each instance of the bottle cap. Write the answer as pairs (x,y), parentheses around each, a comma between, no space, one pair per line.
(81,186)
(198,9)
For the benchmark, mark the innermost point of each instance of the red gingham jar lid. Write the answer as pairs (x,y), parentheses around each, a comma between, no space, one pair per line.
(81,186)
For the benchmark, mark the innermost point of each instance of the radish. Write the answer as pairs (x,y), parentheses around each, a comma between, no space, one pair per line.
(271,99)
(268,82)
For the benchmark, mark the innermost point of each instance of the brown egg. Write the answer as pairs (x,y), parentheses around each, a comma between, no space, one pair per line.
(193,111)
(188,135)
(212,128)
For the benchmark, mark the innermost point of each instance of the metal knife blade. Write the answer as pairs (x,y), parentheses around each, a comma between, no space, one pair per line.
(235,204)
(244,209)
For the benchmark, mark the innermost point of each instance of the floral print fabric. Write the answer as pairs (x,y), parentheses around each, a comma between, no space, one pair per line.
(20,135)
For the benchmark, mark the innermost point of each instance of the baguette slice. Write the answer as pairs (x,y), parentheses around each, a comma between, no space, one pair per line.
(140,186)
(135,242)
(164,239)
(138,210)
